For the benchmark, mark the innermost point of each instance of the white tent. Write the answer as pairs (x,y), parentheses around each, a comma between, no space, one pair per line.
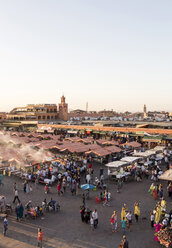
(130,159)
(158,148)
(116,164)
(146,154)
(167,175)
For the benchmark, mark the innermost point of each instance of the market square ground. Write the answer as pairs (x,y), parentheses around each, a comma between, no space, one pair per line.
(65,229)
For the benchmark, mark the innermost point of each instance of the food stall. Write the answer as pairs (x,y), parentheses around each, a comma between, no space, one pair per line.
(165,236)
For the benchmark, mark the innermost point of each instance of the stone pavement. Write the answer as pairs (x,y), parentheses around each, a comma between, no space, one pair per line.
(65,229)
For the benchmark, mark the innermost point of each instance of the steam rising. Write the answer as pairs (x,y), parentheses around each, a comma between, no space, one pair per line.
(16,150)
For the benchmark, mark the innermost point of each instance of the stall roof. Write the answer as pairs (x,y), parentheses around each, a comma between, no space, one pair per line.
(144,154)
(154,139)
(99,152)
(167,175)
(169,137)
(130,159)
(133,144)
(158,148)
(73,139)
(107,142)
(113,149)
(116,164)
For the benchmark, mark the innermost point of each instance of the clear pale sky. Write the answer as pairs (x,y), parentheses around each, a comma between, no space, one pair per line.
(113,54)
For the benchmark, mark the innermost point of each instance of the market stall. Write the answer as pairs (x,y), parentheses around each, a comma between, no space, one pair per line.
(167,175)
(130,159)
(165,236)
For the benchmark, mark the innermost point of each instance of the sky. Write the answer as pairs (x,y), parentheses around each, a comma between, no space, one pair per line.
(112,54)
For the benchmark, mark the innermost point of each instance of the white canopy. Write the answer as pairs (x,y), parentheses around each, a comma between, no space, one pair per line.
(116,164)
(144,154)
(158,148)
(130,159)
(167,175)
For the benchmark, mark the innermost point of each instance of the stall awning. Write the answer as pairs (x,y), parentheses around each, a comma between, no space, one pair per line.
(154,139)
(72,132)
(130,159)
(116,164)
(103,133)
(167,175)
(169,137)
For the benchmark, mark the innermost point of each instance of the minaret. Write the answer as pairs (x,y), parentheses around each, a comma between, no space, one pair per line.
(63,109)
(144,111)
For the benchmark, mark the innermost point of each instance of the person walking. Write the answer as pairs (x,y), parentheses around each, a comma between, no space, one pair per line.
(129,220)
(5,226)
(21,210)
(58,188)
(169,189)
(114,222)
(152,218)
(123,212)
(40,237)
(125,242)
(36,182)
(82,212)
(123,224)
(73,187)
(16,196)
(136,211)
(83,199)
(95,218)
(155,194)
(64,185)
(24,186)
(92,224)
(14,187)
(17,210)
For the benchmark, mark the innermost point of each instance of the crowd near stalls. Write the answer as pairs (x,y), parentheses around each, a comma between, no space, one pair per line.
(68,162)
(161,218)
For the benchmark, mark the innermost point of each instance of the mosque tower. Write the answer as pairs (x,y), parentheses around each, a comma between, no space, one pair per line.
(63,109)
(144,111)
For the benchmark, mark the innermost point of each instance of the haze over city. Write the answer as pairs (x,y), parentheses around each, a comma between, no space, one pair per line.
(112,54)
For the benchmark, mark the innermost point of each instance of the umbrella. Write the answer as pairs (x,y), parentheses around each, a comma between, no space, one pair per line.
(87,186)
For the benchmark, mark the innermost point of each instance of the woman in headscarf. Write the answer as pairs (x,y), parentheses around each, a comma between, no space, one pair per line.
(163,205)
(21,210)
(151,189)
(155,195)
(136,211)
(123,212)
(157,228)
(158,213)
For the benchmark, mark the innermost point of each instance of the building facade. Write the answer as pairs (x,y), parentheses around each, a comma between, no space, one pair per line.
(2,117)
(40,112)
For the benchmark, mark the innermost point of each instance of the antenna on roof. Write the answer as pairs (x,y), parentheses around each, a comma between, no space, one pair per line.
(86,106)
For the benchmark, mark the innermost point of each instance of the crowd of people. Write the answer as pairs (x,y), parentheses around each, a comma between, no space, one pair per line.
(70,180)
